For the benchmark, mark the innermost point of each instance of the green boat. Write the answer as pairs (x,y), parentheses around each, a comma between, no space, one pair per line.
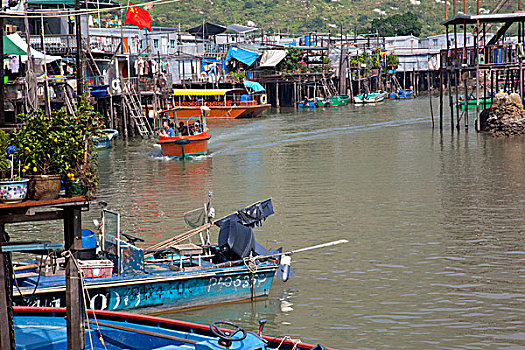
(333,101)
(484,103)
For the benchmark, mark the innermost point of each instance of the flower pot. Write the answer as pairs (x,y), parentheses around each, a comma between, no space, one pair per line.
(75,189)
(13,191)
(44,187)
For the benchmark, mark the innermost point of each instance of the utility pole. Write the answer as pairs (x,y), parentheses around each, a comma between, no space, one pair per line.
(80,66)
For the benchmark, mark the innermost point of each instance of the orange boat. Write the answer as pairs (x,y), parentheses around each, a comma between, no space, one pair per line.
(191,134)
(223,103)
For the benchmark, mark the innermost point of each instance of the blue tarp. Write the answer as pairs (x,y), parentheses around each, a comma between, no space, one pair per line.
(256,87)
(242,55)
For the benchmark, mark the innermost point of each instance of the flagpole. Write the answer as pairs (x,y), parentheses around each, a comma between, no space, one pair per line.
(80,83)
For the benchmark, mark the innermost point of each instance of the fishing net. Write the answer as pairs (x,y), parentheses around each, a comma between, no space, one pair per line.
(195,218)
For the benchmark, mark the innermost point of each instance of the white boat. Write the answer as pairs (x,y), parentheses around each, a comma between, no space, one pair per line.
(371,97)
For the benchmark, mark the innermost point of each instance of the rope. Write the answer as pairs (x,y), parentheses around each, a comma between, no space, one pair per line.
(294,341)
(85,297)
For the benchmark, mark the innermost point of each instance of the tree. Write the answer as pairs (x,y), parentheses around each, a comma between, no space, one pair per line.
(405,24)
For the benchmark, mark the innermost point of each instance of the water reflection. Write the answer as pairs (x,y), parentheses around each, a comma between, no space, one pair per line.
(435,222)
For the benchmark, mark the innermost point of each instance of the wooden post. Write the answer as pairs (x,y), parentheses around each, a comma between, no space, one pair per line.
(74,302)
(430,97)
(277,104)
(441,99)
(465,100)
(456,85)
(478,126)
(294,94)
(450,99)
(2,112)
(7,340)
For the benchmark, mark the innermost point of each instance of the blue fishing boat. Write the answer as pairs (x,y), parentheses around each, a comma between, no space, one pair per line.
(308,103)
(169,274)
(104,141)
(401,94)
(45,328)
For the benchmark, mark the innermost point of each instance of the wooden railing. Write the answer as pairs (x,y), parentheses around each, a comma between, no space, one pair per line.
(488,55)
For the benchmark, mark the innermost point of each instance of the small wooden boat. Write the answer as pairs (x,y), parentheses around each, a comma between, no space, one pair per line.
(104,141)
(190,135)
(401,94)
(372,97)
(310,103)
(46,328)
(484,103)
(169,274)
(223,103)
(333,101)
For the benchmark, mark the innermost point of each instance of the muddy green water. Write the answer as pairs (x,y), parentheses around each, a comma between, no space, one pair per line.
(436,222)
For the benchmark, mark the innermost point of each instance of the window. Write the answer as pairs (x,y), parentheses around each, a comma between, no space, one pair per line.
(172,44)
(156,43)
(435,42)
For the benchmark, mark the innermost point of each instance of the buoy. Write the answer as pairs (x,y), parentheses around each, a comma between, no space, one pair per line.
(264,99)
(115,85)
(285,266)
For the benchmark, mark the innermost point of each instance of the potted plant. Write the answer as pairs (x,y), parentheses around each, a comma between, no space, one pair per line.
(51,147)
(13,189)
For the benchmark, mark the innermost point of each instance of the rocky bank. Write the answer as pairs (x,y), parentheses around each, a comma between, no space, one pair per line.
(506,117)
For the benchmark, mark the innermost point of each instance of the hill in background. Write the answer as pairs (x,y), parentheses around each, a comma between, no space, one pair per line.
(303,16)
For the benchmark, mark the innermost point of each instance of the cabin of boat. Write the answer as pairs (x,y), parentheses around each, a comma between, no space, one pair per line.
(190,136)
(223,103)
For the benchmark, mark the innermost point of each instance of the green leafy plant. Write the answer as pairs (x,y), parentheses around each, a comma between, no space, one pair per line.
(4,142)
(294,58)
(238,76)
(392,60)
(60,143)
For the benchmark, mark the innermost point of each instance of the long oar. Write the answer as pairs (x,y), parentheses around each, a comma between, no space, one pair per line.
(290,252)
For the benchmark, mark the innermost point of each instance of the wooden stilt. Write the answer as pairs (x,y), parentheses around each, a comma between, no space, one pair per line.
(7,340)
(441,99)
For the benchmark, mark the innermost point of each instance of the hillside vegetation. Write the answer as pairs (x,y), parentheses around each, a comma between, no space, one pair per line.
(301,16)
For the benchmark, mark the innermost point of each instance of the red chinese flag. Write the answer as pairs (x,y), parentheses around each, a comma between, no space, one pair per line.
(138,17)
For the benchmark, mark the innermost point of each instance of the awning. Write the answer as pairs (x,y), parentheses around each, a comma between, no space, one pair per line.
(237,28)
(255,86)
(22,45)
(11,49)
(271,58)
(204,92)
(207,29)
(242,55)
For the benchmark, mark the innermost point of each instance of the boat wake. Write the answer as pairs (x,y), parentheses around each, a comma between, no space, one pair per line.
(243,145)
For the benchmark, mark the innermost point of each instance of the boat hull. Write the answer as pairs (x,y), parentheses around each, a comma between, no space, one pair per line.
(184,146)
(224,112)
(46,328)
(178,291)
(471,104)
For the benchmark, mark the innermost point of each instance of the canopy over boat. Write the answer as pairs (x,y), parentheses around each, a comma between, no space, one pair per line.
(206,92)
(255,86)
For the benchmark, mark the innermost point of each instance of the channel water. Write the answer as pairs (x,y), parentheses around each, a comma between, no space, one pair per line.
(435,222)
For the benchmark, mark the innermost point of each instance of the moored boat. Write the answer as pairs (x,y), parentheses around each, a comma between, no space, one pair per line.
(45,328)
(190,134)
(371,97)
(104,141)
(233,103)
(333,101)
(169,274)
(484,103)
(401,94)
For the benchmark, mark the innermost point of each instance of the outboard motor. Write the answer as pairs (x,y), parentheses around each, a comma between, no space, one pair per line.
(236,241)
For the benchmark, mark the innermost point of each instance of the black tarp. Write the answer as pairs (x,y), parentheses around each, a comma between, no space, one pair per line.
(252,215)
(209,29)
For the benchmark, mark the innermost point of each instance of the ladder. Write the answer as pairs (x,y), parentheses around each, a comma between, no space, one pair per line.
(68,98)
(132,101)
